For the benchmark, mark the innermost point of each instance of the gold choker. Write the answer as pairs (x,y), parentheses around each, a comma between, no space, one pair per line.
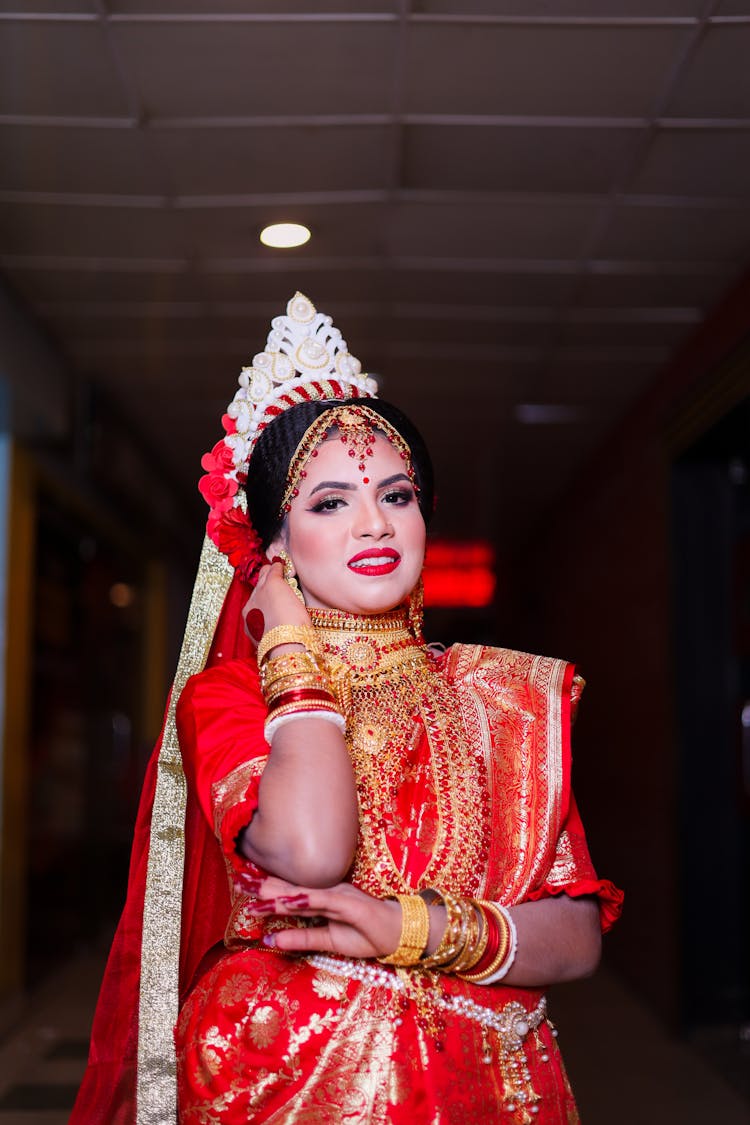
(367,646)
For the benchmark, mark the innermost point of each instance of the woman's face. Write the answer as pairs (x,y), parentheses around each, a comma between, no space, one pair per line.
(357,539)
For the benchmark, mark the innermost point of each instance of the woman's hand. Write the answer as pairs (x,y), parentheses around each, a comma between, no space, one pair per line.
(355,923)
(272,603)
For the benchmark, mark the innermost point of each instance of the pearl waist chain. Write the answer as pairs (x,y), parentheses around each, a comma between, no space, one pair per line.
(512,1023)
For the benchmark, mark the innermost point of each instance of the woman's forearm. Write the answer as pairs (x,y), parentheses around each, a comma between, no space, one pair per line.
(305,827)
(559,939)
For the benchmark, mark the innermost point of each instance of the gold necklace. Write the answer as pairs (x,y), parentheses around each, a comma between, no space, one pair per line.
(394,695)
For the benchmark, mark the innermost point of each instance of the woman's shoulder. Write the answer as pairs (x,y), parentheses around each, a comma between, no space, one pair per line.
(224,679)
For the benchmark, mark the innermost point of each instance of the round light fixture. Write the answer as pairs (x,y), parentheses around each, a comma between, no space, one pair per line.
(283,236)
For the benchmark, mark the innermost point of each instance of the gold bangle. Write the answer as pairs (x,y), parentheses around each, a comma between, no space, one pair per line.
(452,939)
(304,635)
(295,683)
(415,932)
(476,941)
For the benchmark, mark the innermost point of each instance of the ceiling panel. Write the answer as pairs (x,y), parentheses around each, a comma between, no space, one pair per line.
(38,74)
(89,231)
(524,229)
(682,287)
(696,162)
(515,158)
(556,9)
(679,234)
(715,83)
(208,69)
(537,70)
(178,8)
(207,161)
(79,160)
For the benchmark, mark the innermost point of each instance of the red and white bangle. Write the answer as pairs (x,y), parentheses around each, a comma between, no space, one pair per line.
(510,956)
(328,714)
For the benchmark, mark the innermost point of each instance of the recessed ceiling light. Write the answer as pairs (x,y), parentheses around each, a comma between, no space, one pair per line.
(282,236)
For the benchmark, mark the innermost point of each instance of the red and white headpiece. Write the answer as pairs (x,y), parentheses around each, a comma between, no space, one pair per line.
(305,359)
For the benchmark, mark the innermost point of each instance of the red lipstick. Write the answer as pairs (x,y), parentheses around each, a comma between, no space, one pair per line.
(374,561)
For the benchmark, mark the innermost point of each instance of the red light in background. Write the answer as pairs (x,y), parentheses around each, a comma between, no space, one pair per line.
(459,574)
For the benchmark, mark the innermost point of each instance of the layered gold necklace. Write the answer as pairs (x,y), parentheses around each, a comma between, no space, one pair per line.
(412,794)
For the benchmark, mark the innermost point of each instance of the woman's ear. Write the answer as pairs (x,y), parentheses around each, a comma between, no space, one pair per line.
(277,544)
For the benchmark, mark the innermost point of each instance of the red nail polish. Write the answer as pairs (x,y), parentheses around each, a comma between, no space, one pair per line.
(302,902)
(249,883)
(256,623)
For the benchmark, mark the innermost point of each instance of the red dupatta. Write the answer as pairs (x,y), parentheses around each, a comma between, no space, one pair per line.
(177,899)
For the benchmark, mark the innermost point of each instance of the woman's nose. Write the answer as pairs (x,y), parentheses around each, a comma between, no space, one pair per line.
(373,522)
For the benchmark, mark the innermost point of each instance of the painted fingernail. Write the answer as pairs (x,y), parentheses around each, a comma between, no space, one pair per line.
(300,901)
(264,907)
(250,882)
(269,939)
(256,623)
(277,559)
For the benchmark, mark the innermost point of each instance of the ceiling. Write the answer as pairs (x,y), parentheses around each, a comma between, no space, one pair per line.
(513,205)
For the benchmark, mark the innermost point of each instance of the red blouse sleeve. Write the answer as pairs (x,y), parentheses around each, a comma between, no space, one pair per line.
(573,873)
(220,717)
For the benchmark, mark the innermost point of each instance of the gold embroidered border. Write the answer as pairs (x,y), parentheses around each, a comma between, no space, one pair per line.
(528,689)
(160,945)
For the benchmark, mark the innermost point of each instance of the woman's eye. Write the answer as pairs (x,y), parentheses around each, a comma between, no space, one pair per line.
(399,496)
(330,504)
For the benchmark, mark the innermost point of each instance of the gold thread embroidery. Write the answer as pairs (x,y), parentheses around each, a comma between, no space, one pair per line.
(158,1003)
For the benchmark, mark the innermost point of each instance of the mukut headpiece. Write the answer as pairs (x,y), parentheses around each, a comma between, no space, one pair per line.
(306,359)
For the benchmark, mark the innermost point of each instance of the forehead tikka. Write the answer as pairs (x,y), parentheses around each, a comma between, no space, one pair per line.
(357,427)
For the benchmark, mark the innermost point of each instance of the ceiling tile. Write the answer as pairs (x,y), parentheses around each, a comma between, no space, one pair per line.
(715,82)
(178,8)
(537,70)
(685,289)
(33,7)
(556,9)
(678,234)
(37,77)
(87,160)
(97,285)
(555,230)
(447,286)
(89,231)
(497,158)
(696,162)
(254,160)
(733,8)
(234,69)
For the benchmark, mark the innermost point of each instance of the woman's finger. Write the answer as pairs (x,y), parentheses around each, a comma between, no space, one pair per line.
(316,939)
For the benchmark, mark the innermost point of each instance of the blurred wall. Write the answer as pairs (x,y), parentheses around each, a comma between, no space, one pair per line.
(597,584)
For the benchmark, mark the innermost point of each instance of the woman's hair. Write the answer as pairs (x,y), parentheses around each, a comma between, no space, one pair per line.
(276,445)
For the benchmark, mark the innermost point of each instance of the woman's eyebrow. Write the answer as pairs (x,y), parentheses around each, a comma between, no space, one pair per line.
(393,479)
(348,487)
(340,484)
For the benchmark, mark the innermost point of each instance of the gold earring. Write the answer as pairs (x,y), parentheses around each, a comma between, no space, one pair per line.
(416,606)
(290,576)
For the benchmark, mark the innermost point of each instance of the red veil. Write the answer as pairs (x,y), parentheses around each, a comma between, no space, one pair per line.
(155,956)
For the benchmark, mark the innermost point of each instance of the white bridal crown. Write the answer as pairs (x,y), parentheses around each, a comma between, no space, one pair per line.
(305,358)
